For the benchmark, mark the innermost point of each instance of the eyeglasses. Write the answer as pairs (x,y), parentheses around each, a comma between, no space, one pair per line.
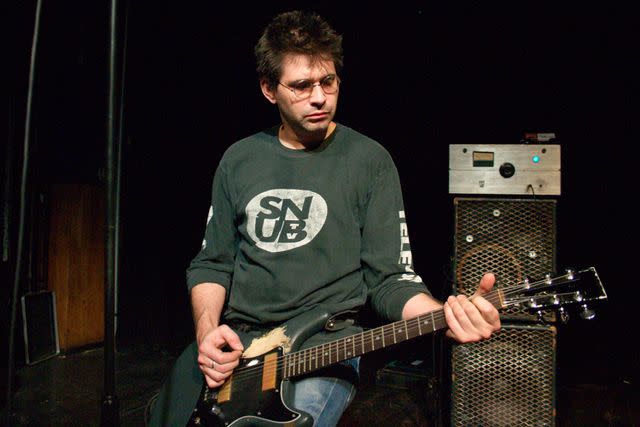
(304,88)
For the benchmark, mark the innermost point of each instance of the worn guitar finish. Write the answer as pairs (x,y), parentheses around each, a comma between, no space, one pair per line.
(261,399)
(256,392)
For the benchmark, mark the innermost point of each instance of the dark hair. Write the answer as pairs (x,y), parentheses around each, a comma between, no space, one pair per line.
(300,33)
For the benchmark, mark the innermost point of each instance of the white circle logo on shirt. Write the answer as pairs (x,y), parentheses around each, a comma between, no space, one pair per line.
(283,219)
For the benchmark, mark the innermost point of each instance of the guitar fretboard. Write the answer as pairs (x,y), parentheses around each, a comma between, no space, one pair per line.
(320,356)
(311,359)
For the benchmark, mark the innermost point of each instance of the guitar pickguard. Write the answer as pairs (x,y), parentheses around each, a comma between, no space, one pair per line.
(252,396)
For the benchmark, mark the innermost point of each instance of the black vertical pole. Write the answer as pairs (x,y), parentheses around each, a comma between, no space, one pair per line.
(110,406)
(118,171)
(21,217)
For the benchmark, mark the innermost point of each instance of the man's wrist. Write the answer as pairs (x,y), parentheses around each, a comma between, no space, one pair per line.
(204,325)
(419,304)
(207,300)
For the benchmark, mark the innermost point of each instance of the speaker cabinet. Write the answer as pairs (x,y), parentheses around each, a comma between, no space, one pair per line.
(513,238)
(507,380)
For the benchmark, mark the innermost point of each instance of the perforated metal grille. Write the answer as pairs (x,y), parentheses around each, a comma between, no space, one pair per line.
(508,380)
(512,238)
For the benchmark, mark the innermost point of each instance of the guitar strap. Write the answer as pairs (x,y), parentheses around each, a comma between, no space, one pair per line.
(342,320)
(335,322)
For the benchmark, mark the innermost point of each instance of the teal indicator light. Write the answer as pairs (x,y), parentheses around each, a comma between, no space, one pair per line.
(536,159)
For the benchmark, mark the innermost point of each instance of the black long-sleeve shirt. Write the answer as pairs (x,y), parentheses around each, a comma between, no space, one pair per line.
(289,230)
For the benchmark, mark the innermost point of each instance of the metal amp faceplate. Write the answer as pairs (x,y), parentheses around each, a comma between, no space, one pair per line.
(532,169)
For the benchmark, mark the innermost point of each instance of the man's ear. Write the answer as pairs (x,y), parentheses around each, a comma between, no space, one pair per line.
(268,91)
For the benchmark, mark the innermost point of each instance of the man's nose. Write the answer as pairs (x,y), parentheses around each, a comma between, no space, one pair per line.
(318,97)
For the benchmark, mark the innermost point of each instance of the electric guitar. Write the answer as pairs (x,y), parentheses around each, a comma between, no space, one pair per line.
(256,392)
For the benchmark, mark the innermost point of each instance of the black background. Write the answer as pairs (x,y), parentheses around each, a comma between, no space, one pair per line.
(417,78)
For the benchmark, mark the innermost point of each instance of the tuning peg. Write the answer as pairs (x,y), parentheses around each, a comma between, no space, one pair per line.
(541,318)
(564,316)
(571,273)
(586,313)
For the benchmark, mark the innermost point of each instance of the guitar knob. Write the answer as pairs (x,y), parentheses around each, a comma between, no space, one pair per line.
(215,410)
(586,313)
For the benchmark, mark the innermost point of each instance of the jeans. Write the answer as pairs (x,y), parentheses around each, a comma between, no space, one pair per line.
(327,393)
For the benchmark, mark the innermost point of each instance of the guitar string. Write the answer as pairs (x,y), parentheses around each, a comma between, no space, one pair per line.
(387,332)
(303,362)
(333,349)
(384,332)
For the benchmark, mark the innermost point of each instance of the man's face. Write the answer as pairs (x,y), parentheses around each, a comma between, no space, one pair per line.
(308,116)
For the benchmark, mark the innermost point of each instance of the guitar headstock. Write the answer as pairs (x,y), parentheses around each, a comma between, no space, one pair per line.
(571,291)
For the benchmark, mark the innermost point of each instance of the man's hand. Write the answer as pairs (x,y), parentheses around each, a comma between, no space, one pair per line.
(215,363)
(219,348)
(472,319)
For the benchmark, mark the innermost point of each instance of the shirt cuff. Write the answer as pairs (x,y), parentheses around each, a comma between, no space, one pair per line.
(195,277)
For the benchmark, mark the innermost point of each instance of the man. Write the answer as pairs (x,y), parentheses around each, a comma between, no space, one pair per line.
(308,215)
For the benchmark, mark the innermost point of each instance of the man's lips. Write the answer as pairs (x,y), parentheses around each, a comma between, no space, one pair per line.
(319,115)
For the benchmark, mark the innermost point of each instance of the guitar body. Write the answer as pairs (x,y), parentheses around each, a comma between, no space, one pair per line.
(185,388)
(250,400)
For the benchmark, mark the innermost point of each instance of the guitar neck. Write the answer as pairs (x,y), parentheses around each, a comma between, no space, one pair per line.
(311,359)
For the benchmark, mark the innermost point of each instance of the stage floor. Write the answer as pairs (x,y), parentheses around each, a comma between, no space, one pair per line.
(67,391)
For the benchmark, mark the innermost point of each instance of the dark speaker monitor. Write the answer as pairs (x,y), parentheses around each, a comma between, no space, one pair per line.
(515,239)
(39,322)
(507,380)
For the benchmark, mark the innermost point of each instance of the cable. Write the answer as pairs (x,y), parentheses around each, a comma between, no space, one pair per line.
(532,190)
(22,211)
(149,407)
